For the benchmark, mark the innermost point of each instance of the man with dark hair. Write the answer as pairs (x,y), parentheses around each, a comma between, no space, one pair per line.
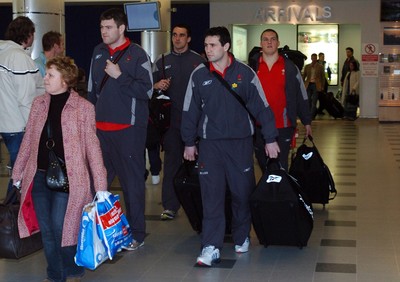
(224,128)
(53,46)
(314,81)
(285,92)
(346,64)
(172,76)
(20,83)
(120,86)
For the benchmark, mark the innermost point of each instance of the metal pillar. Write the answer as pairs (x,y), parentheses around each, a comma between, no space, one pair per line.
(158,42)
(47,16)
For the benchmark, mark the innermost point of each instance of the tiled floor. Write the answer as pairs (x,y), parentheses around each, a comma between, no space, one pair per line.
(355,238)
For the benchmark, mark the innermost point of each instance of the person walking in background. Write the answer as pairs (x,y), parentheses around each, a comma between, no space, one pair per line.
(173,80)
(284,90)
(53,46)
(120,86)
(314,80)
(20,83)
(73,129)
(322,97)
(225,129)
(351,85)
(346,64)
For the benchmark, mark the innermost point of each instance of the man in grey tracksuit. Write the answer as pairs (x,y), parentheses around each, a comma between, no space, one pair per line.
(225,129)
(173,79)
(122,113)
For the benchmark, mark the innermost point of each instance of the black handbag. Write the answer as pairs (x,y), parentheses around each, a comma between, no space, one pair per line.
(353,99)
(56,174)
(159,113)
(11,245)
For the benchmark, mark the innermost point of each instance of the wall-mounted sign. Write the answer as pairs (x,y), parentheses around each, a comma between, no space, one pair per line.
(293,14)
(369,60)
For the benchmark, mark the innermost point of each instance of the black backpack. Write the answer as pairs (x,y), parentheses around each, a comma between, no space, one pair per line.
(297,57)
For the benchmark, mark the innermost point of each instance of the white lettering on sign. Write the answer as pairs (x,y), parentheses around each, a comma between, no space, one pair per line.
(293,13)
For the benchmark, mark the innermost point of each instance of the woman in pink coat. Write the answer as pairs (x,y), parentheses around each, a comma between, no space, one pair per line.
(57,214)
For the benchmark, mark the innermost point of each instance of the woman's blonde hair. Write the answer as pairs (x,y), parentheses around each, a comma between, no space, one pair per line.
(67,68)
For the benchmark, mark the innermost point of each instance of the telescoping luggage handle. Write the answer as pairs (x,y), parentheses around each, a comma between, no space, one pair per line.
(332,189)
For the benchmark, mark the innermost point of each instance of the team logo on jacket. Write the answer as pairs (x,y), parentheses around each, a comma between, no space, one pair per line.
(274,178)
(207,82)
(307,156)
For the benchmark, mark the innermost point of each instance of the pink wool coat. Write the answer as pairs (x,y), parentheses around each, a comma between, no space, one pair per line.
(82,152)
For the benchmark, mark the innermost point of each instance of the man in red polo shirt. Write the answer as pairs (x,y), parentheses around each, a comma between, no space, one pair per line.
(285,92)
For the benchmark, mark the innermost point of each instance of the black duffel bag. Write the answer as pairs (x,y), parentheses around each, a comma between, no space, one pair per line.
(280,210)
(188,192)
(312,173)
(11,245)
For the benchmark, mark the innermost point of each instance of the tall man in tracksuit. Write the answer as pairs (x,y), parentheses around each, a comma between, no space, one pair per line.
(225,129)
(122,113)
(178,65)
(286,94)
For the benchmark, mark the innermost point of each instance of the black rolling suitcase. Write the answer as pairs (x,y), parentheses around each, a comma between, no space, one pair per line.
(313,174)
(280,211)
(333,106)
(187,189)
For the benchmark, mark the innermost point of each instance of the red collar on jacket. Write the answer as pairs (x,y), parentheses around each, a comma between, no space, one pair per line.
(212,68)
(120,47)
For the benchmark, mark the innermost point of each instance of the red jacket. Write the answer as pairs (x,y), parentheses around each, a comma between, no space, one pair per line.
(82,152)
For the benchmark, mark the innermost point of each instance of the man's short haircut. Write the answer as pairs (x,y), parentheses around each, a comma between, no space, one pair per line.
(321,54)
(269,30)
(115,14)
(185,26)
(49,39)
(222,32)
(20,29)
(350,49)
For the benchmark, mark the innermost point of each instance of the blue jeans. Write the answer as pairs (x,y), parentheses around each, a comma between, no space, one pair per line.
(50,208)
(313,98)
(12,142)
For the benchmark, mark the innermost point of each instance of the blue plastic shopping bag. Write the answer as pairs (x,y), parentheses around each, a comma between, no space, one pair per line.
(115,228)
(91,250)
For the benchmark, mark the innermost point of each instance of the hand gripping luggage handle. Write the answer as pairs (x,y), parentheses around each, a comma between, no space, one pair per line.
(274,161)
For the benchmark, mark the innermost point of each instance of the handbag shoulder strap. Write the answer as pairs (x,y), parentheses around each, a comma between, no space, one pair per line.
(50,143)
(237,96)
(48,128)
(106,76)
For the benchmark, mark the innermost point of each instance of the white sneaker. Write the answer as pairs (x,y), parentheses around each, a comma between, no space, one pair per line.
(155,179)
(208,256)
(133,246)
(244,248)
